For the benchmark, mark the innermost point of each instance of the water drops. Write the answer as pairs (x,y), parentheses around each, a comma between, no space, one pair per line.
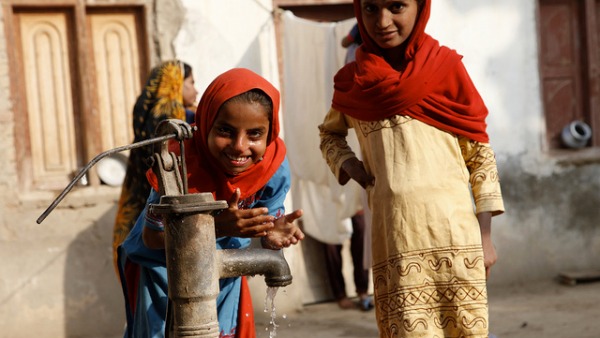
(270,298)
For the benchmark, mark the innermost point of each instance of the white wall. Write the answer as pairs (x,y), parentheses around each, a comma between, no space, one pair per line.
(218,35)
(498,40)
(551,222)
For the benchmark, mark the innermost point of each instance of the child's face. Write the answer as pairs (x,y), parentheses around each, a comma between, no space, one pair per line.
(389,22)
(189,91)
(238,137)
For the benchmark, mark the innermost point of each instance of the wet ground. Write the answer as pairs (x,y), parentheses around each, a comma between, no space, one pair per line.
(536,310)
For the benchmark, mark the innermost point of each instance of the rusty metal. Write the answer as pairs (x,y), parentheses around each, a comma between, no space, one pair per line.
(165,163)
(166,125)
(250,262)
(194,265)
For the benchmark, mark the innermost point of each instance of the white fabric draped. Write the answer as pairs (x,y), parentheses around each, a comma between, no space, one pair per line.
(312,55)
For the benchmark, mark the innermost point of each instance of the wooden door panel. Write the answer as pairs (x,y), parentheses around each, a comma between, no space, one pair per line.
(561,66)
(561,102)
(116,59)
(45,52)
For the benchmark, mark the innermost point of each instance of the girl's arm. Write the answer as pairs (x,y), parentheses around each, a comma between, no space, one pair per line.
(153,232)
(489,251)
(485,186)
(337,153)
(483,176)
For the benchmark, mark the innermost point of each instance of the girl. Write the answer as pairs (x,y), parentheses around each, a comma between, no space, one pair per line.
(168,91)
(237,155)
(422,133)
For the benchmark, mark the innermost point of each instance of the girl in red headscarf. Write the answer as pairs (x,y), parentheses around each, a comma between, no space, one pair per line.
(428,169)
(237,155)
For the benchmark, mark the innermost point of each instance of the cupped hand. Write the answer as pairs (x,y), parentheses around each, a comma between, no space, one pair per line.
(285,233)
(235,222)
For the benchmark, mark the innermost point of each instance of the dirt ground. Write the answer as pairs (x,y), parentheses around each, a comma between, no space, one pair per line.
(546,309)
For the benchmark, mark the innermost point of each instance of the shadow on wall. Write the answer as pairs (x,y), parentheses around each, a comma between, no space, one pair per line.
(94,304)
(318,286)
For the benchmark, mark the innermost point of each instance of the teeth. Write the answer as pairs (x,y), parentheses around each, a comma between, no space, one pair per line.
(237,159)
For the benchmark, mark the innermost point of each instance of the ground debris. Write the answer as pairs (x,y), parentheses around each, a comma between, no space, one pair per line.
(578,277)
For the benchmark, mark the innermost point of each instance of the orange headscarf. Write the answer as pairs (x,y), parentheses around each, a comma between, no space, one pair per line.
(203,171)
(432,86)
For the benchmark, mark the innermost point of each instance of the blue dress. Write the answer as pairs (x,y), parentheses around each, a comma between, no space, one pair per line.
(146,300)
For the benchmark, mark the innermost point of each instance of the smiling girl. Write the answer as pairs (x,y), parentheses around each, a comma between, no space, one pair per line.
(237,155)
(429,172)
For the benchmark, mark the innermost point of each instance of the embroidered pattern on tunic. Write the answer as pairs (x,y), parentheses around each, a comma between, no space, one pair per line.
(367,127)
(425,285)
(429,307)
(481,163)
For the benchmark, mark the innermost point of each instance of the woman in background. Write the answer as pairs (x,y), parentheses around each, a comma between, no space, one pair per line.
(168,91)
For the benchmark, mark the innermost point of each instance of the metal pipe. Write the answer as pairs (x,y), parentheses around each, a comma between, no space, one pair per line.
(250,262)
(194,265)
(95,160)
(167,130)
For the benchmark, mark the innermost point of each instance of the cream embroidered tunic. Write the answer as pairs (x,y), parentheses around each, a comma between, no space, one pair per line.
(428,271)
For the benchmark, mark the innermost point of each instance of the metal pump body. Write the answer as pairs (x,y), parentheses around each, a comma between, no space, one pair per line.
(194,265)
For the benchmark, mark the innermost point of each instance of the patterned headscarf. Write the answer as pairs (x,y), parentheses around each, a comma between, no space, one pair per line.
(161,98)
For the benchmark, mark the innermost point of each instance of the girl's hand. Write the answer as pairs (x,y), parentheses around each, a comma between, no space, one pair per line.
(234,222)
(489,251)
(285,232)
(489,256)
(354,168)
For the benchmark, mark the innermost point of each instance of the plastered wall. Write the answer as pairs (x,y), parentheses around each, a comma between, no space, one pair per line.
(57,278)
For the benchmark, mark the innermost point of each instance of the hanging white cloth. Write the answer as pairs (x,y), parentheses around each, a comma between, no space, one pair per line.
(312,55)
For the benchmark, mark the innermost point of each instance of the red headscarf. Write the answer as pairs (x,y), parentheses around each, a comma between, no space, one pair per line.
(203,171)
(432,86)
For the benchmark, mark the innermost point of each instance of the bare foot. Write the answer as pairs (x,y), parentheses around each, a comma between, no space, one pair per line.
(346,304)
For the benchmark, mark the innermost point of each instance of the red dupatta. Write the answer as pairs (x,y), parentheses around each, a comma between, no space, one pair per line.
(203,172)
(432,86)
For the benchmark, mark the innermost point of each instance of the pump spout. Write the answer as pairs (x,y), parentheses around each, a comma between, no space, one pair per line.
(249,262)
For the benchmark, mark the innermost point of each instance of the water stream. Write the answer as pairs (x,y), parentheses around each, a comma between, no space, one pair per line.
(270,300)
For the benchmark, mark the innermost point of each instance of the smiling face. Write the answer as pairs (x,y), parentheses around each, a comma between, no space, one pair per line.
(389,22)
(239,135)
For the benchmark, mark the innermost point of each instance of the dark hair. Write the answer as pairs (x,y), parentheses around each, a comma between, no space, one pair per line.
(187,70)
(256,96)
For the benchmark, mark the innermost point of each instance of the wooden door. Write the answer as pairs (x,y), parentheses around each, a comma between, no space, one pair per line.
(569,64)
(47,73)
(77,88)
(117,69)
(561,66)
